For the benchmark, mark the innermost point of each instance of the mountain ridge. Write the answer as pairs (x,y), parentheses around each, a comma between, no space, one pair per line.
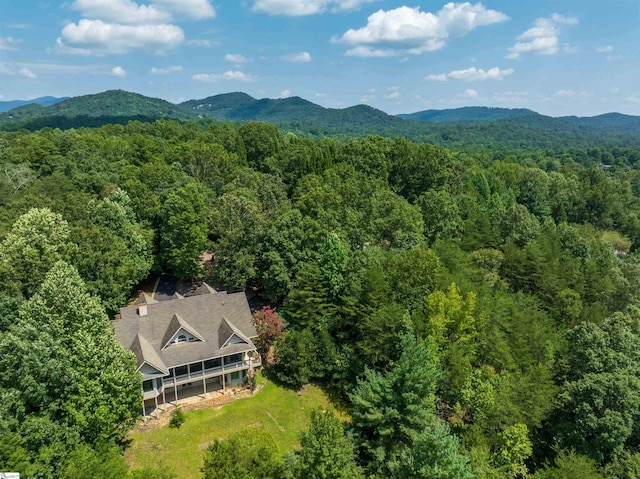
(8,105)
(467,127)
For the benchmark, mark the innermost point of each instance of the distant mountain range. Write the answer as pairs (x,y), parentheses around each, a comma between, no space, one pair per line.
(469,127)
(468,113)
(43,100)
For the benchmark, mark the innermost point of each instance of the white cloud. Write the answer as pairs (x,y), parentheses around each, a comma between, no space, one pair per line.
(94,37)
(166,70)
(469,93)
(201,43)
(9,43)
(118,71)
(17,69)
(393,94)
(438,77)
(295,8)
(406,30)
(229,75)
(25,72)
(285,94)
(113,27)
(192,9)
(572,94)
(120,11)
(300,57)
(472,74)
(542,38)
(235,58)
(604,49)
(130,12)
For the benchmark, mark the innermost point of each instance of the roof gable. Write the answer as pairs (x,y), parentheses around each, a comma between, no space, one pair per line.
(204,288)
(229,331)
(144,298)
(145,353)
(176,325)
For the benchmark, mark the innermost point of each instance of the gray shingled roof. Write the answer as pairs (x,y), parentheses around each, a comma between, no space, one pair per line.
(144,298)
(175,325)
(204,288)
(146,353)
(212,316)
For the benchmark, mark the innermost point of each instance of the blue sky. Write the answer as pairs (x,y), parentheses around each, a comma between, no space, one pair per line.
(560,57)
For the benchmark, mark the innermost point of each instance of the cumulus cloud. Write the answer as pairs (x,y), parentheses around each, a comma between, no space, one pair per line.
(9,43)
(300,57)
(393,93)
(16,69)
(285,94)
(130,12)
(604,49)
(295,8)
(112,27)
(120,11)
(406,30)
(469,93)
(118,71)
(166,70)
(543,38)
(235,58)
(229,75)
(192,9)
(94,37)
(472,74)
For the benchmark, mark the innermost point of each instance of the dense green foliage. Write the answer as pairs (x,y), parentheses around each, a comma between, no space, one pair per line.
(470,128)
(476,314)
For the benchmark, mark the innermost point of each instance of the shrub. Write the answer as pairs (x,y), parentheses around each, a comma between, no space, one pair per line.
(177,418)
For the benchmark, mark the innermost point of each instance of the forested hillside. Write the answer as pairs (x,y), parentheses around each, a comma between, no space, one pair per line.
(44,101)
(470,128)
(475,314)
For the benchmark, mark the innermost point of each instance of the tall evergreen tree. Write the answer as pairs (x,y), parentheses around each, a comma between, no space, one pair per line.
(63,377)
(390,410)
(327,453)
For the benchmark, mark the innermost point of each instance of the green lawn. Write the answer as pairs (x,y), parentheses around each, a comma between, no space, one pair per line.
(279,412)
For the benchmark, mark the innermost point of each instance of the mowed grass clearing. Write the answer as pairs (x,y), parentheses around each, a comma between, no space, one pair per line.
(279,412)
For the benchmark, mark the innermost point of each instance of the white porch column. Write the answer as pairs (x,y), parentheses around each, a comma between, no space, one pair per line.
(204,380)
(175,385)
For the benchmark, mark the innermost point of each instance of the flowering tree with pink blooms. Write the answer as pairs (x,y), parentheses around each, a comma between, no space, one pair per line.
(269,326)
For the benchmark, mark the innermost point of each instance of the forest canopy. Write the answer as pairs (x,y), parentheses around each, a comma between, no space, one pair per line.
(477,314)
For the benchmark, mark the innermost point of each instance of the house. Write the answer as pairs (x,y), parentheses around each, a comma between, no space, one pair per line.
(200,341)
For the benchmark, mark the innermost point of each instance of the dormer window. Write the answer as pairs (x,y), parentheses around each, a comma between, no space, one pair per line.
(179,331)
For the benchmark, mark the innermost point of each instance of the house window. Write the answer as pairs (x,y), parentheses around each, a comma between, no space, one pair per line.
(212,363)
(147,386)
(182,370)
(195,367)
(235,375)
(234,358)
(181,339)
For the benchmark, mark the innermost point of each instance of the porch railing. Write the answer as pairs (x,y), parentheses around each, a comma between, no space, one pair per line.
(212,372)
